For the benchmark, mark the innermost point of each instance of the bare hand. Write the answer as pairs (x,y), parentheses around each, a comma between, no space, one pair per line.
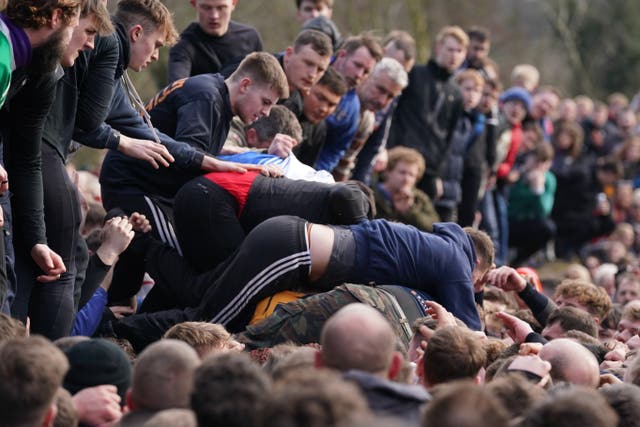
(120,311)
(439,189)
(140,223)
(491,181)
(282,145)
(507,279)
(536,180)
(156,154)
(117,233)
(381,161)
(512,177)
(608,379)
(528,348)
(98,405)
(4,180)
(516,329)
(274,171)
(426,333)
(48,261)
(440,314)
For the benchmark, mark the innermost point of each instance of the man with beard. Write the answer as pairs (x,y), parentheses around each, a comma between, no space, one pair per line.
(51,306)
(38,32)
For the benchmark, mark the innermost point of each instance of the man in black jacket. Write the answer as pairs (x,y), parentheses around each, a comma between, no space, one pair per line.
(212,42)
(429,107)
(41,31)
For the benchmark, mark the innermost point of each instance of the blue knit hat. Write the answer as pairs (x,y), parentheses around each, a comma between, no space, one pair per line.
(517,94)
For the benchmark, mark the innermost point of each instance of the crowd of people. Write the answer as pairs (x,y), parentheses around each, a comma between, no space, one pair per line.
(331,235)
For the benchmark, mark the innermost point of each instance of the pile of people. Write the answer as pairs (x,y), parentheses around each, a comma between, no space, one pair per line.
(331,235)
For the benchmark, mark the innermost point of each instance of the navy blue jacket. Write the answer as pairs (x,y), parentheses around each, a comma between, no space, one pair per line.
(451,176)
(439,263)
(125,175)
(425,117)
(195,110)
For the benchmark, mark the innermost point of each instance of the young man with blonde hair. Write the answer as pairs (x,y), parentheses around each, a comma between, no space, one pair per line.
(205,338)
(468,133)
(430,106)
(198,110)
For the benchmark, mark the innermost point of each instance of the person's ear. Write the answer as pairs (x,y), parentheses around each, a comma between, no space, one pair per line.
(318,360)
(128,398)
(50,415)
(135,32)
(395,366)
(479,378)
(420,373)
(245,84)
(252,137)
(287,55)
(56,18)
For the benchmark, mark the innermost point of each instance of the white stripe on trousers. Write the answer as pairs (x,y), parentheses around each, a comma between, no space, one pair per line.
(259,282)
(164,227)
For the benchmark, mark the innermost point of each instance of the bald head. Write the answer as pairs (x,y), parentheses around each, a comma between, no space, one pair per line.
(571,362)
(358,337)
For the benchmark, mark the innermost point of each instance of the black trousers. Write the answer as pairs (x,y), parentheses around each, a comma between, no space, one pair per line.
(50,306)
(129,271)
(529,236)
(274,257)
(210,229)
(471,179)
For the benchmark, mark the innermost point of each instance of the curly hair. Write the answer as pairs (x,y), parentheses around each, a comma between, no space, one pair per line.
(38,13)
(594,299)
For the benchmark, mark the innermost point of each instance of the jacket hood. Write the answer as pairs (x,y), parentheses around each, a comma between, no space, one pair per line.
(125,47)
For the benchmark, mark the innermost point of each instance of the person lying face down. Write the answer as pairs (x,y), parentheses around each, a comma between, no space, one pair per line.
(288,252)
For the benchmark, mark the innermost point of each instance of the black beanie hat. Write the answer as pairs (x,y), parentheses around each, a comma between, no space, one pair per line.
(97,362)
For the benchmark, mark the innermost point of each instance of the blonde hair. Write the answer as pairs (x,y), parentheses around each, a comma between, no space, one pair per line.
(523,74)
(453,31)
(469,74)
(199,334)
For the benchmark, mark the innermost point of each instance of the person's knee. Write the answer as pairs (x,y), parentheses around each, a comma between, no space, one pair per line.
(349,204)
